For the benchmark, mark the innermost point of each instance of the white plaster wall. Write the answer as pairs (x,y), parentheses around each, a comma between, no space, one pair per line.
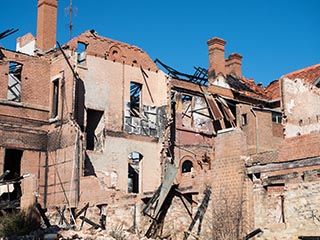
(301,106)
(115,159)
(28,48)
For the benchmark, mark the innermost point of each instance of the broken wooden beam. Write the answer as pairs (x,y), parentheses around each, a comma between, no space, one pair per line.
(253,233)
(43,215)
(93,224)
(200,212)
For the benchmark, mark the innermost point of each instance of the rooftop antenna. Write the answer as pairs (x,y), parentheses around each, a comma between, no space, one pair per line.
(70,23)
(70,11)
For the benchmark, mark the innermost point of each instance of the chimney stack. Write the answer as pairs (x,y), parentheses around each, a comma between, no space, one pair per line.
(233,65)
(216,57)
(46,24)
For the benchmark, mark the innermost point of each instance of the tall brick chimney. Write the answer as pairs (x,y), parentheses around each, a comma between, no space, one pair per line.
(47,24)
(233,64)
(216,56)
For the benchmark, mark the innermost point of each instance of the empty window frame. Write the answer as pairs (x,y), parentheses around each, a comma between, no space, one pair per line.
(12,164)
(55,98)
(135,98)
(244,119)
(14,81)
(187,166)
(93,119)
(81,49)
(133,171)
(187,107)
(276,117)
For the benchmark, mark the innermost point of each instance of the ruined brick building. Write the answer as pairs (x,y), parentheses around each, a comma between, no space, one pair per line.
(98,121)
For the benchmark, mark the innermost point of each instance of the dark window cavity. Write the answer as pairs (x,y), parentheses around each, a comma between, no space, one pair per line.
(55,98)
(93,119)
(244,119)
(276,117)
(187,166)
(133,171)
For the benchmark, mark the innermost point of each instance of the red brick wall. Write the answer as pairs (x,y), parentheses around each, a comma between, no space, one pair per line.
(13,138)
(300,147)
(34,79)
(62,177)
(46,24)
(228,173)
(261,133)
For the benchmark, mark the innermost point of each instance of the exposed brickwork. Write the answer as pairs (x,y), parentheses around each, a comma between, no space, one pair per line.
(47,24)
(300,147)
(113,50)
(87,137)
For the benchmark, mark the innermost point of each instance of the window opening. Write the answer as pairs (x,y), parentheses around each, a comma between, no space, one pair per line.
(81,49)
(93,119)
(133,171)
(14,81)
(244,119)
(276,117)
(12,163)
(187,166)
(187,116)
(55,98)
(135,98)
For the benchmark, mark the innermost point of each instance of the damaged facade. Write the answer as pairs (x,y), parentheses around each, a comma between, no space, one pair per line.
(97,121)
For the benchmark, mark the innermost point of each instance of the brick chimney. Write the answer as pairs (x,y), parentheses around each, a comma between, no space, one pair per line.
(216,57)
(233,64)
(47,24)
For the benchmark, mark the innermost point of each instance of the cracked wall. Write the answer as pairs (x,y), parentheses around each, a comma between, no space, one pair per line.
(301,108)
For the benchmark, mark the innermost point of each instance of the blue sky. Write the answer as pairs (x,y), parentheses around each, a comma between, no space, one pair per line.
(273,36)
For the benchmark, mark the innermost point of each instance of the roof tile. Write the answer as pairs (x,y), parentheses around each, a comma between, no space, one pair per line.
(308,74)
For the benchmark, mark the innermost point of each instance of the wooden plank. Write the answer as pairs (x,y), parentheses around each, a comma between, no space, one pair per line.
(169,176)
(213,107)
(283,165)
(200,212)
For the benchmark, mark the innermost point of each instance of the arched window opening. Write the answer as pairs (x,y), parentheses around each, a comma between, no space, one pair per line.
(187,166)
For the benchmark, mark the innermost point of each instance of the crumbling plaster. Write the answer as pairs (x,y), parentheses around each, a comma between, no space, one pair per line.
(301,107)
(115,158)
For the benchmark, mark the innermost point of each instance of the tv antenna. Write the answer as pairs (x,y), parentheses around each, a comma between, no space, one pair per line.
(71,11)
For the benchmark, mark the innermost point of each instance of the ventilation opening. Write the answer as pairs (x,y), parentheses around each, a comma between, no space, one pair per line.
(133,171)
(135,98)
(14,81)
(93,134)
(187,166)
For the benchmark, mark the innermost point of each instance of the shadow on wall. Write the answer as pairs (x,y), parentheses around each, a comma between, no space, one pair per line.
(88,167)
